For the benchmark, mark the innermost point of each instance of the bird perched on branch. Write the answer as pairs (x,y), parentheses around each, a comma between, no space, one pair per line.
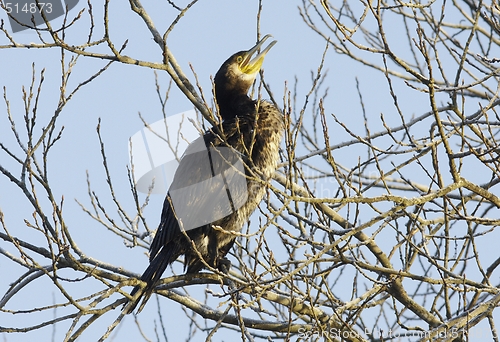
(221,178)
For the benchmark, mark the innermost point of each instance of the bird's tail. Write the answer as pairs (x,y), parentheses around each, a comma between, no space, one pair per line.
(151,276)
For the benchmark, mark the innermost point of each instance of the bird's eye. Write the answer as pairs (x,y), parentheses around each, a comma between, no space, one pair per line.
(239,59)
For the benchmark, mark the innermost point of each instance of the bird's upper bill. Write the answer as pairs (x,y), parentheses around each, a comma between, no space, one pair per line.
(250,65)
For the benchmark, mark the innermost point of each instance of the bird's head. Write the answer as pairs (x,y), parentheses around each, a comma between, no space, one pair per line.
(238,72)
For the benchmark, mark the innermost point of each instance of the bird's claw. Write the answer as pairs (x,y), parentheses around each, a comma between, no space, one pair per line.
(224,265)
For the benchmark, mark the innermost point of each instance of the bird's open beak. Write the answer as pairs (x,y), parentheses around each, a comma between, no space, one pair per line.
(251,65)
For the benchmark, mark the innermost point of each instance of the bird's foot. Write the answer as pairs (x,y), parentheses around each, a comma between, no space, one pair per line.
(224,265)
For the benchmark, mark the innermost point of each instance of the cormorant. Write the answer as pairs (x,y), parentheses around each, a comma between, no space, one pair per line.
(249,136)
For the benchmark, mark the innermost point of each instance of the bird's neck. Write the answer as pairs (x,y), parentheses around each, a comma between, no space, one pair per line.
(232,105)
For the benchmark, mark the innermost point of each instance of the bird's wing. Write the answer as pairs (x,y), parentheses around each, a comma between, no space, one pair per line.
(209,175)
